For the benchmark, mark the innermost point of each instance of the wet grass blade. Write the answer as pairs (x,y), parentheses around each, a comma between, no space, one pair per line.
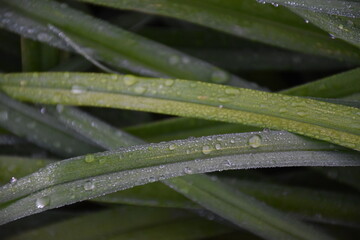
(28,122)
(248,19)
(330,122)
(334,7)
(109,43)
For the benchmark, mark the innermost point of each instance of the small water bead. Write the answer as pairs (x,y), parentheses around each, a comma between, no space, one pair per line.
(341,27)
(140,89)
(78,89)
(301,114)
(332,36)
(221,106)
(227,163)
(43,110)
(89,158)
(42,202)
(188,170)
(43,37)
(89,186)
(172,147)
(185,60)
(13,180)
(206,150)
(307,21)
(224,100)
(129,80)
(217,146)
(255,141)
(152,179)
(282,110)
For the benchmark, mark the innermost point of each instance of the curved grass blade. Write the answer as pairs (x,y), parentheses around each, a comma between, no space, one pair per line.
(330,122)
(333,7)
(247,19)
(102,40)
(314,205)
(348,176)
(347,29)
(45,131)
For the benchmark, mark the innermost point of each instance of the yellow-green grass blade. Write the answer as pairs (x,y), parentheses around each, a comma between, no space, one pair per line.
(330,122)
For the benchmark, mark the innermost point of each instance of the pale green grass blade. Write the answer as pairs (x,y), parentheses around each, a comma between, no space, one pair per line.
(330,122)
(248,19)
(334,7)
(109,43)
(47,132)
(313,205)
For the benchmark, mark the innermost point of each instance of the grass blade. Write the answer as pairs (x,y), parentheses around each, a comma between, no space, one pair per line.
(248,19)
(330,122)
(111,44)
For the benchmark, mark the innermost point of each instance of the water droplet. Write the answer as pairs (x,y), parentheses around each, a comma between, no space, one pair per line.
(43,110)
(13,180)
(172,147)
(224,100)
(332,36)
(140,89)
(169,82)
(307,21)
(275,4)
(89,158)
(255,141)
(89,185)
(129,80)
(227,163)
(151,179)
(219,76)
(43,37)
(341,26)
(282,110)
(187,170)
(77,89)
(4,115)
(231,91)
(301,114)
(185,60)
(221,106)
(42,202)
(174,60)
(59,108)
(217,146)
(206,150)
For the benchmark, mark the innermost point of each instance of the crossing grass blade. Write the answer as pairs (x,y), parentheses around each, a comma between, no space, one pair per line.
(330,122)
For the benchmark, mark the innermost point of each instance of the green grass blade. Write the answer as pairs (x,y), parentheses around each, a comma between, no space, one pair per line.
(254,218)
(330,122)
(333,7)
(248,19)
(113,45)
(47,132)
(347,29)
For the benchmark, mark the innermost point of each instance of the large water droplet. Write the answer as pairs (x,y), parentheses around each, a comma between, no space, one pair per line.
(172,147)
(13,180)
(255,141)
(42,202)
(129,80)
(89,158)
(219,76)
(78,89)
(89,186)
(187,170)
(217,146)
(206,150)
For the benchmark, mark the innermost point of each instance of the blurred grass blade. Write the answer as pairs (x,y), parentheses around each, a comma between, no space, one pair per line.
(330,122)
(335,86)
(334,7)
(349,176)
(248,19)
(347,29)
(108,43)
(47,132)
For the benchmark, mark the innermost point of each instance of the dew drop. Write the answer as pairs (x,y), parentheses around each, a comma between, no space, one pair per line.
(217,146)
(169,82)
(140,89)
(59,108)
(223,100)
(187,170)
(332,36)
(221,106)
(255,141)
(206,150)
(282,110)
(89,158)
(232,91)
(307,21)
(43,37)
(77,89)
(89,186)
(13,180)
(151,179)
(172,147)
(227,163)
(301,114)
(42,202)
(219,76)
(43,110)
